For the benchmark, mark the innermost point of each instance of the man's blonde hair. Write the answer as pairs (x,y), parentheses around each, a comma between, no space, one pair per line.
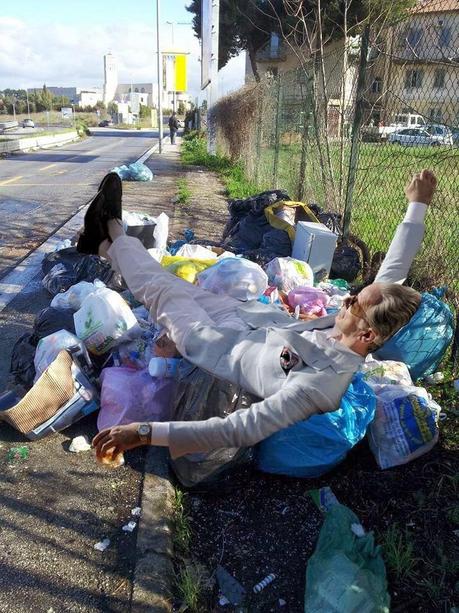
(398,305)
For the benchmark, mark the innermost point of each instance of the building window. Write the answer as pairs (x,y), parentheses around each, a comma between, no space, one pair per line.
(376,86)
(413,78)
(444,36)
(439,78)
(413,37)
(142,89)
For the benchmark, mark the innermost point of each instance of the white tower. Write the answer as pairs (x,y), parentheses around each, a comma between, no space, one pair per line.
(110,77)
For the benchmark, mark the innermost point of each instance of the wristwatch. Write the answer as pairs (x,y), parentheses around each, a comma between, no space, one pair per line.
(144,432)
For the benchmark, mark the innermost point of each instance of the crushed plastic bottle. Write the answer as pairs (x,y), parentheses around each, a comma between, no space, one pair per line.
(110,460)
(18,453)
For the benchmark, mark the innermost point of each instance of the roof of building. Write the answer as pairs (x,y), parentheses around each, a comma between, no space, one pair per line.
(436,6)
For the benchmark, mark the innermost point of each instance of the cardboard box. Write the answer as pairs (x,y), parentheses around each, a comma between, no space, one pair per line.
(314,244)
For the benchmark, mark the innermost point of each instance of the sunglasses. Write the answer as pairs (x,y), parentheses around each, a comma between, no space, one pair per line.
(351,303)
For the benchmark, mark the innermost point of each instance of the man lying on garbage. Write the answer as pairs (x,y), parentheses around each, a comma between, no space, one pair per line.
(296,368)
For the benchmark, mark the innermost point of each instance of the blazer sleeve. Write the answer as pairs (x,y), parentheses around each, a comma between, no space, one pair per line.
(245,427)
(401,253)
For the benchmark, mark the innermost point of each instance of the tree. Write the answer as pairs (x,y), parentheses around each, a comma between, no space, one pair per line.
(112,108)
(244,26)
(144,111)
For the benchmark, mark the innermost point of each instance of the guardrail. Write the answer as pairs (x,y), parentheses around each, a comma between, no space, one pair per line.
(8,125)
(25,144)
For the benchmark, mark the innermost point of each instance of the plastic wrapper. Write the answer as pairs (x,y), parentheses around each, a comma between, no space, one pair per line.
(312,301)
(235,277)
(405,425)
(48,349)
(312,447)
(104,321)
(129,395)
(288,273)
(74,296)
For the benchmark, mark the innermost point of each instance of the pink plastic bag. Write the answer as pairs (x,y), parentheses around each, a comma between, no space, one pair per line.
(130,395)
(312,301)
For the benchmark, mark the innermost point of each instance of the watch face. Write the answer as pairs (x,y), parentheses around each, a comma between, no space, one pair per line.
(144,429)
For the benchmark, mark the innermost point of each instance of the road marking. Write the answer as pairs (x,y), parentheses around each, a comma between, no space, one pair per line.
(7,181)
(49,166)
(48,184)
(59,172)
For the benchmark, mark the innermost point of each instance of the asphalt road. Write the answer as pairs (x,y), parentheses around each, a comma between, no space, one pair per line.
(40,190)
(55,505)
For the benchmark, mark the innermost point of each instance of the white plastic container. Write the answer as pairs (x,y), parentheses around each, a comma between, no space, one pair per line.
(163,367)
(314,244)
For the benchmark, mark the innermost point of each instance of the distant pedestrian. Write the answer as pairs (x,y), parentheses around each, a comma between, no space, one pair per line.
(173,126)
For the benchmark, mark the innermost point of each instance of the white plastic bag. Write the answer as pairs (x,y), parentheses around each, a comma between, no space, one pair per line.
(235,277)
(405,425)
(288,273)
(389,372)
(49,347)
(104,321)
(196,252)
(74,296)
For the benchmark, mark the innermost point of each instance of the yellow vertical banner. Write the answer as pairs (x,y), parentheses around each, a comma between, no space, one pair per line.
(181,73)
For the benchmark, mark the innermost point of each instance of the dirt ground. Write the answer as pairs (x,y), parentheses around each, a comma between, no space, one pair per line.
(266,524)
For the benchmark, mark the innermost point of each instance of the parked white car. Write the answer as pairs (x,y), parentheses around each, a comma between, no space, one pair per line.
(415,137)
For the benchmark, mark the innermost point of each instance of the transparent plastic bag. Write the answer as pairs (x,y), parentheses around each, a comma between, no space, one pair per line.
(104,321)
(48,349)
(288,273)
(74,296)
(235,277)
(129,395)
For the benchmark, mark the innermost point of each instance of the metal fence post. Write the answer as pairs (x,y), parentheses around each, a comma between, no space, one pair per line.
(304,139)
(357,123)
(277,131)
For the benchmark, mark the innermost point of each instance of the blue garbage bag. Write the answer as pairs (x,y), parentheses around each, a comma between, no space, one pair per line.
(123,172)
(312,447)
(422,343)
(134,172)
(140,172)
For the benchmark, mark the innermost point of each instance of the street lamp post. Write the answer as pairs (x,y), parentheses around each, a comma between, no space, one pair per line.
(28,105)
(160,102)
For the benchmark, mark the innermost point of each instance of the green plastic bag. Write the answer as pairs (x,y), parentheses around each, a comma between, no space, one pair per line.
(346,573)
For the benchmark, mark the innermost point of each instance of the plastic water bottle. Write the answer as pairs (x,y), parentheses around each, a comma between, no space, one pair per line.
(163,367)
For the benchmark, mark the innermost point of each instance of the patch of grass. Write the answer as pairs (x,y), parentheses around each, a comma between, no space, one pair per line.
(398,552)
(194,152)
(189,583)
(182,532)
(183,191)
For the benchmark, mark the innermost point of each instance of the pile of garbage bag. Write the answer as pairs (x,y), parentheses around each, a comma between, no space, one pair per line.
(92,316)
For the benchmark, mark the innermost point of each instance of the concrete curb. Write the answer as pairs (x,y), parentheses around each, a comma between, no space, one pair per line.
(25,144)
(154,569)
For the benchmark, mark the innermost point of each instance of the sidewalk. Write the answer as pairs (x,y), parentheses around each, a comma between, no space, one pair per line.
(205,212)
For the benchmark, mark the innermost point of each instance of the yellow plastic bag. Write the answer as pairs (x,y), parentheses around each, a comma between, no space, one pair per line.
(185,268)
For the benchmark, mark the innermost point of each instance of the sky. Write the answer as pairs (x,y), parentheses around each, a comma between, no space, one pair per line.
(62,43)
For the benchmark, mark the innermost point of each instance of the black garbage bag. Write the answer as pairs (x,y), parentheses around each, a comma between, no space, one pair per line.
(47,322)
(22,367)
(52,320)
(64,268)
(255,205)
(201,396)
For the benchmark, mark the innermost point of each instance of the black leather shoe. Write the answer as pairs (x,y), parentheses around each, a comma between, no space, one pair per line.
(105,205)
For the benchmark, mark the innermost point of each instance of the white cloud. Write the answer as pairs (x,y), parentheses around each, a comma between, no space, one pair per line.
(66,55)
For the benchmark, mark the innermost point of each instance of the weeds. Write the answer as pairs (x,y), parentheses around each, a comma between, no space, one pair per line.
(190,583)
(398,552)
(194,151)
(182,533)
(183,191)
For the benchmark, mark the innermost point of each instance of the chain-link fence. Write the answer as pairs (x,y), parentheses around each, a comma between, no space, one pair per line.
(349,125)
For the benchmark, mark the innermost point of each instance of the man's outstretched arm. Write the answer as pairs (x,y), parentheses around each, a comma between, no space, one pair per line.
(409,234)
